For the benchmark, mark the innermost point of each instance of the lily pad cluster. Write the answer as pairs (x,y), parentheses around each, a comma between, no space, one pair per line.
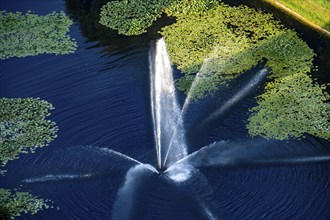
(130,17)
(291,107)
(31,34)
(226,41)
(133,17)
(13,204)
(24,127)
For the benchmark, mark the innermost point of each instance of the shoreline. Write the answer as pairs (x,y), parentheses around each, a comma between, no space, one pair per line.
(297,16)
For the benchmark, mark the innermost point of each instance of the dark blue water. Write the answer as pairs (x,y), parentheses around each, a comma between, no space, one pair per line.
(102,98)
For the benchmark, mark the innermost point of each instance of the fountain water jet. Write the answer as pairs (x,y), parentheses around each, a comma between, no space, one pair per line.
(246,89)
(54,177)
(124,205)
(166,114)
(257,152)
(148,166)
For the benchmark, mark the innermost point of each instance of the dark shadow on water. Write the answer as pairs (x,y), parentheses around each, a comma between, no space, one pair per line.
(87,14)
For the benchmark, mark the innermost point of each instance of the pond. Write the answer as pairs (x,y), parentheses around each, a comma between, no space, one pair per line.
(101,165)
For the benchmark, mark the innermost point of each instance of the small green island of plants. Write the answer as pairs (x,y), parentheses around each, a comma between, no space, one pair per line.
(13,204)
(31,34)
(23,129)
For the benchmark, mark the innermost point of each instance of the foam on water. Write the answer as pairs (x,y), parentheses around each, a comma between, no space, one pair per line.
(180,172)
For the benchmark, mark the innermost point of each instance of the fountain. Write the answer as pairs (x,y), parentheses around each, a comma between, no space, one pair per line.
(166,113)
(172,158)
(175,167)
(170,135)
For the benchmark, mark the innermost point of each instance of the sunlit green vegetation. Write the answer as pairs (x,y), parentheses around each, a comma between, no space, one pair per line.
(316,11)
(216,44)
(292,104)
(13,204)
(24,127)
(290,107)
(31,34)
(184,7)
(220,47)
(135,16)
(130,17)
(220,42)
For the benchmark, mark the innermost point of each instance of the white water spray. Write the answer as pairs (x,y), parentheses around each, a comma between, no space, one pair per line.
(148,166)
(193,86)
(123,207)
(56,177)
(256,152)
(252,84)
(166,114)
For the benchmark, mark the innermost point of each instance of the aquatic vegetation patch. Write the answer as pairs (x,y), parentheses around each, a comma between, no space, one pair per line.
(135,16)
(31,34)
(226,41)
(290,107)
(24,127)
(13,204)
(130,17)
(184,7)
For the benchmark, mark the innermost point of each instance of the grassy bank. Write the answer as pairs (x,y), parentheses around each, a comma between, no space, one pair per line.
(315,13)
